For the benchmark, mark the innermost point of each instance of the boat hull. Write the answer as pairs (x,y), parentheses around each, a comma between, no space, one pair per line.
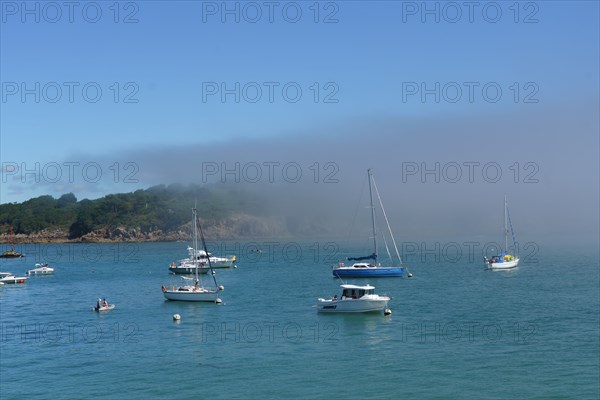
(351,272)
(184,268)
(40,271)
(13,279)
(352,305)
(188,270)
(221,263)
(9,254)
(192,295)
(104,308)
(502,265)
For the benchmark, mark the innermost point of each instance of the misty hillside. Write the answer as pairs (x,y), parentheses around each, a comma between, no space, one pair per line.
(158,213)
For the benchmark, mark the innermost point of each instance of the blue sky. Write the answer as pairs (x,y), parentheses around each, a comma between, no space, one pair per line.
(363,62)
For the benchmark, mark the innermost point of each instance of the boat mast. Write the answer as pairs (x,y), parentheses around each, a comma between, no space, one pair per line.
(372,213)
(512,232)
(195,242)
(197,226)
(212,272)
(505,227)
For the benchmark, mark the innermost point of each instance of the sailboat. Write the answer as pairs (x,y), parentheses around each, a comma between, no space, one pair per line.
(196,292)
(504,259)
(368,266)
(11,253)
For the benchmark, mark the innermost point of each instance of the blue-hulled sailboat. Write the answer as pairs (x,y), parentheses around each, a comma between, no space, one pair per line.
(367,266)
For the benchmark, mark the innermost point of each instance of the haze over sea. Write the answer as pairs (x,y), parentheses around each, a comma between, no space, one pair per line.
(456,331)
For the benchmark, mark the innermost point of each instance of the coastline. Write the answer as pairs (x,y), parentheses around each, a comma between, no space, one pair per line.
(236,227)
(118,235)
(136,235)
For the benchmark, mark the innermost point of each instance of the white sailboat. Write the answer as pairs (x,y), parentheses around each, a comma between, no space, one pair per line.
(504,260)
(364,267)
(196,292)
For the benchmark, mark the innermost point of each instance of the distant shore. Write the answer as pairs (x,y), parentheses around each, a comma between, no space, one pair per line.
(124,235)
(235,227)
(118,235)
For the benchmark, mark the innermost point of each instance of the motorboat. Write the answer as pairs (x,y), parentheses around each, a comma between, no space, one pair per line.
(9,278)
(354,299)
(11,253)
(41,269)
(188,266)
(198,260)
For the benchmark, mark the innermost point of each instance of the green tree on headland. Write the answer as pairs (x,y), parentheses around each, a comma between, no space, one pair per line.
(160,207)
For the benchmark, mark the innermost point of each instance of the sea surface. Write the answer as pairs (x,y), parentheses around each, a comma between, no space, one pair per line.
(456,331)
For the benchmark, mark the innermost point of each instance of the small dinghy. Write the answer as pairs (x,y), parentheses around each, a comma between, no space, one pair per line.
(104,308)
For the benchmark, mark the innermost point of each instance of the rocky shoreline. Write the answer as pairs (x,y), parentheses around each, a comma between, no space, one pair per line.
(98,236)
(234,228)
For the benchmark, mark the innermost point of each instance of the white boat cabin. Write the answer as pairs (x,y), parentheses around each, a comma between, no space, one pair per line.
(356,292)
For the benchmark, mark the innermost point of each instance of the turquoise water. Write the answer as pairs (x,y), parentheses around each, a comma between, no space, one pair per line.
(456,330)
